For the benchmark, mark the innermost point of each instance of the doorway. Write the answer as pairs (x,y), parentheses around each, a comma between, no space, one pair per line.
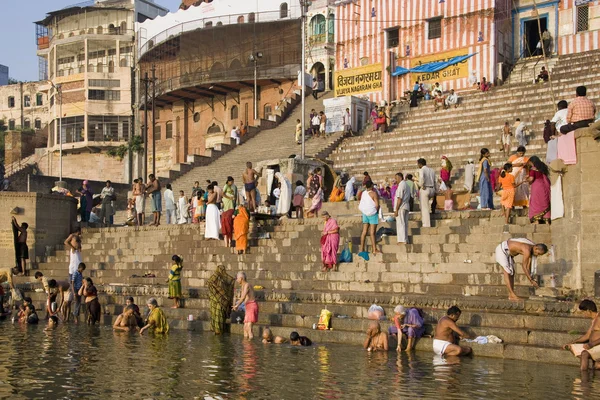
(531,36)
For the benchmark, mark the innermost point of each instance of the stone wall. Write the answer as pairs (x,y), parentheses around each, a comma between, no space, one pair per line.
(576,236)
(18,145)
(50,219)
(86,165)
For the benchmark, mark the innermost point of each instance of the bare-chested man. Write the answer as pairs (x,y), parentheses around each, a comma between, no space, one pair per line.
(21,248)
(153,189)
(249,177)
(247,297)
(591,339)
(73,243)
(126,321)
(444,341)
(505,256)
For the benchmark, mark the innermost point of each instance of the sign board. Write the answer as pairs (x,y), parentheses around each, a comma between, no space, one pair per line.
(335,109)
(353,81)
(457,71)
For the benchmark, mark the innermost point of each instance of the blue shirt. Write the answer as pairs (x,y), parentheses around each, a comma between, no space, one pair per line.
(77,281)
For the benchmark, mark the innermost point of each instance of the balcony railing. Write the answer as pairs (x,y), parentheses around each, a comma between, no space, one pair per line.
(321,38)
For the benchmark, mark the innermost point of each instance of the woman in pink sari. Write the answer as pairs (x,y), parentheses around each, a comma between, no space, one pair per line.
(330,241)
(539,198)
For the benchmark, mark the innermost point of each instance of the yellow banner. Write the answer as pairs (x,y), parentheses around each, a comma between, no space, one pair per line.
(359,80)
(456,71)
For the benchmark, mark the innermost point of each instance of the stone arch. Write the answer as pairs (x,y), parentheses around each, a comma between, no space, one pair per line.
(318,71)
(215,126)
(99,30)
(235,65)
(123,62)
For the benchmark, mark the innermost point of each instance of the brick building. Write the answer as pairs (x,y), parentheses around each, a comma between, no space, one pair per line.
(206,57)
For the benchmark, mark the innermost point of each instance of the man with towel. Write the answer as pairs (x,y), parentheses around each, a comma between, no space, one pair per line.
(505,256)
(369,207)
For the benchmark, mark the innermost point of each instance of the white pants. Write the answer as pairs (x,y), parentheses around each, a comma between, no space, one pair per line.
(171,218)
(402,226)
(424,195)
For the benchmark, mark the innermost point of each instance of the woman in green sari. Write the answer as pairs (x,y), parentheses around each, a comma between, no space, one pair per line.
(157,321)
(220,293)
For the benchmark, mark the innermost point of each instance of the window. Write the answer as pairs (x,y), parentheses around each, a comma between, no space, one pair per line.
(11,124)
(126,49)
(27,123)
(39,99)
(268,111)
(90,68)
(234,113)
(111,66)
(123,27)
(38,124)
(99,67)
(317,25)
(109,83)
(434,28)
(96,54)
(283,10)
(11,102)
(99,30)
(169,130)
(197,117)
(112,30)
(393,38)
(583,20)
(112,52)
(156,132)
(123,62)
(26,101)
(104,94)
(108,128)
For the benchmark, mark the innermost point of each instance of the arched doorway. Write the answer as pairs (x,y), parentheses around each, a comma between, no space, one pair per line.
(318,71)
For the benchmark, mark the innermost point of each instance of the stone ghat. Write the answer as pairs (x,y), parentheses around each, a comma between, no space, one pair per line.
(450,263)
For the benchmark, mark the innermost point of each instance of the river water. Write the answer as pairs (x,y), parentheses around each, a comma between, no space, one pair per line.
(81,362)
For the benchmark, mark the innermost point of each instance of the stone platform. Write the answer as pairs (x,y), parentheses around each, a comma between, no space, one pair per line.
(450,263)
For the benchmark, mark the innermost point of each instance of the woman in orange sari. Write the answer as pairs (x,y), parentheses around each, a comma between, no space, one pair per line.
(521,173)
(241,227)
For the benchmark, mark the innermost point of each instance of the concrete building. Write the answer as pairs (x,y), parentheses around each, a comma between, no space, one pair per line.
(3,75)
(320,44)
(207,59)
(88,54)
(24,106)
(387,34)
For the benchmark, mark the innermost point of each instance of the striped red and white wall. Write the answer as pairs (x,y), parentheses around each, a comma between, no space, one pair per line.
(573,42)
(361,38)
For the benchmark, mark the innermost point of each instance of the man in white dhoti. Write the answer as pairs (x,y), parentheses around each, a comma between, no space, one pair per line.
(402,208)
(213,218)
(349,195)
(285,194)
(469,175)
(505,256)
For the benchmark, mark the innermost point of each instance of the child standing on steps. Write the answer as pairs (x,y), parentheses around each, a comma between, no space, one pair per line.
(174,280)
(507,182)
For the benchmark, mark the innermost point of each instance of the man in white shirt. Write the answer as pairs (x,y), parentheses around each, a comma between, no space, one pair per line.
(560,118)
(426,191)
(235,134)
(402,208)
(347,122)
(452,99)
(315,123)
(170,205)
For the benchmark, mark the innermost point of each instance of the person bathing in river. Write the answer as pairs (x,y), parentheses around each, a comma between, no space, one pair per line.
(269,338)
(505,256)
(247,297)
(588,344)
(376,340)
(297,340)
(126,321)
(445,342)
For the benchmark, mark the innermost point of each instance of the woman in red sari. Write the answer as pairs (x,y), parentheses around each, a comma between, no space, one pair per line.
(330,242)
(539,198)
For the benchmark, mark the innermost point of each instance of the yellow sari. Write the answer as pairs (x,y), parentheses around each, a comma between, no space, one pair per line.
(159,321)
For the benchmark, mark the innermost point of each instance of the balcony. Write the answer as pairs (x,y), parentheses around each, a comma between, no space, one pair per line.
(322,38)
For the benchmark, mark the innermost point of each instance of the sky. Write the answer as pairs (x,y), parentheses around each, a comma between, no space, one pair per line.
(17,32)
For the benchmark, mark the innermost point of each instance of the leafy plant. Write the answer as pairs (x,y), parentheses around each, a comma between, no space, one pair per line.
(135,145)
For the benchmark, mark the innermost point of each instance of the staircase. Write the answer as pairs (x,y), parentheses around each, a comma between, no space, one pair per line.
(450,263)
(270,144)
(460,133)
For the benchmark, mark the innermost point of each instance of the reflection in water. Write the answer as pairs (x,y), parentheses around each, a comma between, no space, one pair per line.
(94,362)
